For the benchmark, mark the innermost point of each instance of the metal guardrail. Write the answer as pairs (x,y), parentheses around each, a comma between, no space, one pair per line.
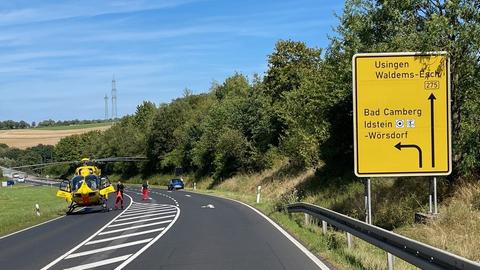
(414,252)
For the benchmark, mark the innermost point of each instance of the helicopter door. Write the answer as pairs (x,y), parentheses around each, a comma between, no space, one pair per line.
(65,186)
(106,187)
(64,191)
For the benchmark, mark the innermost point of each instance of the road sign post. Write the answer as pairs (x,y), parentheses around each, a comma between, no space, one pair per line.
(401,105)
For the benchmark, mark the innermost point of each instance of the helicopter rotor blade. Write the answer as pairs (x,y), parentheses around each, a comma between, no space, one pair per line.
(120,159)
(100,160)
(45,164)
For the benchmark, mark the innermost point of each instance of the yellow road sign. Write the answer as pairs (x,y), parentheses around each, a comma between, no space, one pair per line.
(401,107)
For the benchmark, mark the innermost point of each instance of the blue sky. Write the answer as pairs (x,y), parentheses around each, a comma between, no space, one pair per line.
(57,58)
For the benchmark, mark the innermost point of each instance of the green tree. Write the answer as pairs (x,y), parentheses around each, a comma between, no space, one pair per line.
(420,25)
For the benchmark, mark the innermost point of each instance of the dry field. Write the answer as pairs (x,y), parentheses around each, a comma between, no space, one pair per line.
(23,138)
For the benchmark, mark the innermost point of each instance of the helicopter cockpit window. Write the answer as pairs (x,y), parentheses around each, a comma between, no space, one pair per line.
(92,181)
(77,182)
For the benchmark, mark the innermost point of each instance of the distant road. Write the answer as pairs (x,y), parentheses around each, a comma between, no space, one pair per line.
(172,230)
(24,138)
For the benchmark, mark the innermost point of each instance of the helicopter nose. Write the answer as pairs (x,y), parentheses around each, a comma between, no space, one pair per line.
(85,198)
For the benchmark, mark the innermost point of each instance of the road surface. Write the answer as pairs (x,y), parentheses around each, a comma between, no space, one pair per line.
(171,230)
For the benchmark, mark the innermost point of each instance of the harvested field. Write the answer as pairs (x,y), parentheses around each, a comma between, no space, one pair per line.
(24,138)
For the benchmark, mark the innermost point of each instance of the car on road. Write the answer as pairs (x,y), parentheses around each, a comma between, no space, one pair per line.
(21,179)
(15,175)
(176,183)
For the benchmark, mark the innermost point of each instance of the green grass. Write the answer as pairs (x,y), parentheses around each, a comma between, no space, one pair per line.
(81,126)
(17,206)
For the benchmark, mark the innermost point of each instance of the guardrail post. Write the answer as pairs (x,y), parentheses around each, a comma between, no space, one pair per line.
(390,261)
(349,240)
(307,219)
(324,227)
(258,193)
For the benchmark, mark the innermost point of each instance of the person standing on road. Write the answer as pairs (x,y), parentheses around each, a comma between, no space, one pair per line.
(145,190)
(119,200)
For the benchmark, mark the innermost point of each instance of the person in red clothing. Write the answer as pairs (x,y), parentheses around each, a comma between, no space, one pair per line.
(145,190)
(119,200)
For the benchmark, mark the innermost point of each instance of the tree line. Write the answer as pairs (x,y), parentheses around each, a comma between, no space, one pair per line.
(300,109)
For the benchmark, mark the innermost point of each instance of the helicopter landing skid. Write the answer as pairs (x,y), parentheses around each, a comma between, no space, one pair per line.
(71,208)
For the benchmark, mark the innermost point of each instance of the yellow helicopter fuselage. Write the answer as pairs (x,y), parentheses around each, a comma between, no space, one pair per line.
(85,188)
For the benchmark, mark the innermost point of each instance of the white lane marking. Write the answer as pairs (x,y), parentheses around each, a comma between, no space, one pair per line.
(307,252)
(140,207)
(141,220)
(147,209)
(121,266)
(135,227)
(86,240)
(26,229)
(123,236)
(211,206)
(148,215)
(100,263)
(93,251)
(148,212)
(150,208)
(187,195)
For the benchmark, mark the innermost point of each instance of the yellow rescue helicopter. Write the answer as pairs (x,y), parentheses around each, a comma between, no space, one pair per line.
(87,187)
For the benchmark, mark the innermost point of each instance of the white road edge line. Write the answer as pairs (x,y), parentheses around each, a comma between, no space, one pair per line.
(100,263)
(135,227)
(93,251)
(86,240)
(123,236)
(121,266)
(26,229)
(141,220)
(307,252)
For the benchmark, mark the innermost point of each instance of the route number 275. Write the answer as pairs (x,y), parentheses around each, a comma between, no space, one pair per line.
(431,85)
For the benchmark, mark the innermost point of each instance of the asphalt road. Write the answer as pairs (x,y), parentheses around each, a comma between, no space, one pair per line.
(171,230)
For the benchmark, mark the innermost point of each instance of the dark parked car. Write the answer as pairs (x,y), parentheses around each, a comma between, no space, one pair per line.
(176,184)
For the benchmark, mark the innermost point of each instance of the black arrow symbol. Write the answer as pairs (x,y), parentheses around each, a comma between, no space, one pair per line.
(399,146)
(432,99)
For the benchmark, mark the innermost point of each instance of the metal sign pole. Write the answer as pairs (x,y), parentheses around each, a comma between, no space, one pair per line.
(369,194)
(435,209)
(366,199)
(430,197)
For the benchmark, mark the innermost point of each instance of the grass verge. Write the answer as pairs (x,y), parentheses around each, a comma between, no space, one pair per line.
(17,207)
